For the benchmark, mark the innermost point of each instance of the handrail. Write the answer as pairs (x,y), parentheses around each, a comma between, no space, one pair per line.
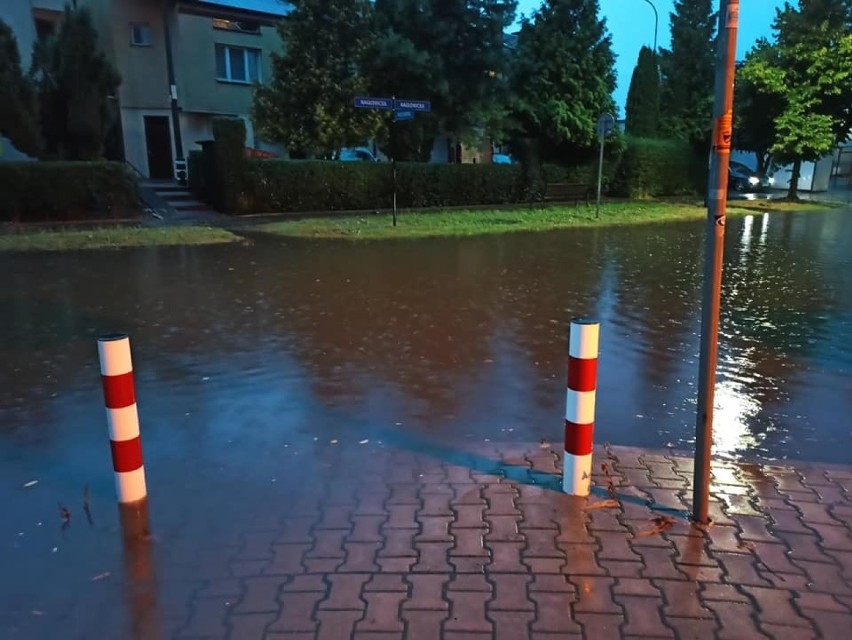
(132,166)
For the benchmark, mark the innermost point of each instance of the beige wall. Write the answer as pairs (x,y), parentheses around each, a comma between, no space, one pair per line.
(198,88)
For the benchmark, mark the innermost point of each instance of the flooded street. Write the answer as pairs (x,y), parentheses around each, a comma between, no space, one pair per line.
(262,368)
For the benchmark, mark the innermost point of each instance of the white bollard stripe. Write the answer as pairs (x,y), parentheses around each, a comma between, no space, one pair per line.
(130,485)
(114,355)
(583,340)
(580,406)
(576,474)
(123,423)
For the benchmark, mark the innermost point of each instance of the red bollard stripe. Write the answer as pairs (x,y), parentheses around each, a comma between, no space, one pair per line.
(126,454)
(578,438)
(119,390)
(582,373)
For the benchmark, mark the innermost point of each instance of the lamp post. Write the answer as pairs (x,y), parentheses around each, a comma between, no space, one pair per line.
(656,21)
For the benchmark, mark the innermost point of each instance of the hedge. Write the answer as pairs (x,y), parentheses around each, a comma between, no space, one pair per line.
(47,191)
(650,167)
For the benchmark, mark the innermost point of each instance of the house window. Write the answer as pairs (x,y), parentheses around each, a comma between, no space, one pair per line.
(243,26)
(140,34)
(237,64)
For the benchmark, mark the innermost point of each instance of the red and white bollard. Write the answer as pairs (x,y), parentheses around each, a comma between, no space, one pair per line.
(580,406)
(122,418)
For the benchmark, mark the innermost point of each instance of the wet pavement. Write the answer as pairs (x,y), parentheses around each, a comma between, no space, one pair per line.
(270,376)
(405,539)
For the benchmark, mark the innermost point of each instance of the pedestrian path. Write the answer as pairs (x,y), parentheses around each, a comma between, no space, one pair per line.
(416,541)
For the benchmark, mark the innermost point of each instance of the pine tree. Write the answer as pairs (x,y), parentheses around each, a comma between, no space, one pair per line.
(643,97)
(564,76)
(308,105)
(76,84)
(686,97)
(18,113)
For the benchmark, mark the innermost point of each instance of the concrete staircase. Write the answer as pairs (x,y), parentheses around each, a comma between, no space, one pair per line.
(167,200)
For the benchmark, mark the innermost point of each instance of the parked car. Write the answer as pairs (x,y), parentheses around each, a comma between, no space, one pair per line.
(356,154)
(502,158)
(743,178)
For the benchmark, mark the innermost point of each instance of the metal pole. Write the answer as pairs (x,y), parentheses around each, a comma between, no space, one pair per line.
(180,161)
(600,174)
(393,156)
(717,191)
(656,22)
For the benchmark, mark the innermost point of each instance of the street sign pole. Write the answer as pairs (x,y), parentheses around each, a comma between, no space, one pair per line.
(717,192)
(606,123)
(393,156)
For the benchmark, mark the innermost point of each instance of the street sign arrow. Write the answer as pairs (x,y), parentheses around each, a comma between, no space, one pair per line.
(401,115)
(373,103)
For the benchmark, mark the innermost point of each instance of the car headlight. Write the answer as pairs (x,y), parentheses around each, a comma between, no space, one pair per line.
(754,180)
(771,180)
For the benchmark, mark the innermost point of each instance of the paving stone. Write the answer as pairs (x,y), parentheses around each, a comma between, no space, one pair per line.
(506,557)
(776,607)
(398,543)
(780,632)
(436,504)
(297,530)
(740,569)
(691,549)
(636,587)
(360,557)
(614,546)
(434,529)
(401,516)
(345,592)
(553,612)
(643,617)
(468,516)
(322,565)
(825,578)
(470,582)
(386,582)
(287,559)
(261,595)
(601,626)
(503,529)
(682,599)
(581,559)
(296,612)
(207,619)
(659,562)
(811,603)
(366,528)
(510,593)
(246,568)
(691,629)
(775,558)
(623,569)
(836,537)
(467,612)
(594,595)
(382,612)
(423,625)
(427,591)
(251,626)
(551,583)
(468,542)
(804,547)
(337,625)
(232,588)
(511,625)
(832,625)
(432,557)
(736,620)
(722,592)
(606,520)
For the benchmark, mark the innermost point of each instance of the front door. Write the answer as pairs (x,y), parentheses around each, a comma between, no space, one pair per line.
(158,142)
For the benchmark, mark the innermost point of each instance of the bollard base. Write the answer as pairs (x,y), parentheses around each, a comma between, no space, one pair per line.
(576,474)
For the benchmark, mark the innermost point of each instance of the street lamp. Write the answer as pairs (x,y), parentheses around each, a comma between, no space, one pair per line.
(655,23)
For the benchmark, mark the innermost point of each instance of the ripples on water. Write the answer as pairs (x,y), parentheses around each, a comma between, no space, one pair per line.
(445,339)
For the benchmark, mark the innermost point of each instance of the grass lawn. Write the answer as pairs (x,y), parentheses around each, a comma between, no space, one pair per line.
(467,223)
(112,238)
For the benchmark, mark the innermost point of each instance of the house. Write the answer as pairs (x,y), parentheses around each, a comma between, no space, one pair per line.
(31,20)
(183,63)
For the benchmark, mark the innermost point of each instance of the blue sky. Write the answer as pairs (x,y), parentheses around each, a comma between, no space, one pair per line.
(631,23)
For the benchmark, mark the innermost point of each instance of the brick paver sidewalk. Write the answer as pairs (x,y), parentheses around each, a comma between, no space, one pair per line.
(404,538)
(419,548)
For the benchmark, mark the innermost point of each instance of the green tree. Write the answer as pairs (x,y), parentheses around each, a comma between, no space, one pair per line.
(447,51)
(308,105)
(808,70)
(77,86)
(563,76)
(18,113)
(755,111)
(687,70)
(643,97)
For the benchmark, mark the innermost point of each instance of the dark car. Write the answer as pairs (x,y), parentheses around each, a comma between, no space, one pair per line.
(743,178)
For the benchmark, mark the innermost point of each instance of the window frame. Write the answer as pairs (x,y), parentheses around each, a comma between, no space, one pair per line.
(147,30)
(246,52)
(224,24)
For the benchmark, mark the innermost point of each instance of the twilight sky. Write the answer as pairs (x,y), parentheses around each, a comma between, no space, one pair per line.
(631,23)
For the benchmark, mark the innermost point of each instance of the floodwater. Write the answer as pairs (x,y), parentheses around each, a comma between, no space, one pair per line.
(252,359)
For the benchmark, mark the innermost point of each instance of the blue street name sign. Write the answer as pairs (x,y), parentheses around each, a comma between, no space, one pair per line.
(374,103)
(413,105)
(401,115)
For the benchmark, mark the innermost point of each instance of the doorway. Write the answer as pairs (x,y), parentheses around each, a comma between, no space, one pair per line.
(158,143)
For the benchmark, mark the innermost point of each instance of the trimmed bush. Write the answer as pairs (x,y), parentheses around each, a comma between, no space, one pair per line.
(196,181)
(310,185)
(650,167)
(229,164)
(45,191)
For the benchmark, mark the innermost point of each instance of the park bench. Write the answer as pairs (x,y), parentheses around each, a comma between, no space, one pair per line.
(567,192)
